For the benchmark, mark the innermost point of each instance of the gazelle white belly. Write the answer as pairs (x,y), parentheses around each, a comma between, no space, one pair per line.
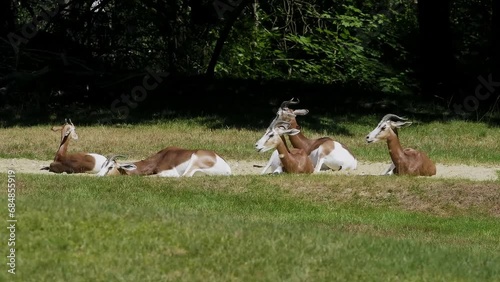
(220,167)
(191,167)
(176,171)
(168,173)
(99,162)
(340,158)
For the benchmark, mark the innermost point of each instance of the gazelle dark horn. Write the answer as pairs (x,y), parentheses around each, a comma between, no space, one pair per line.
(113,157)
(291,102)
(393,117)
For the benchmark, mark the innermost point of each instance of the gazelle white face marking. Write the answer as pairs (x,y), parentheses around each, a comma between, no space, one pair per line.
(111,164)
(71,130)
(107,167)
(272,137)
(266,142)
(379,133)
(388,123)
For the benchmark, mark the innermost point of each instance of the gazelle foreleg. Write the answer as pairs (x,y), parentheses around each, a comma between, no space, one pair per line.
(319,164)
(318,159)
(192,166)
(274,163)
(390,170)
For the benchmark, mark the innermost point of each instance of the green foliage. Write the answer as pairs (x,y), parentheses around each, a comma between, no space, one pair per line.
(336,45)
(372,45)
(250,55)
(117,35)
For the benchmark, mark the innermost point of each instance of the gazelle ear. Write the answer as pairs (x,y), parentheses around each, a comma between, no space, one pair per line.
(56,128)
(301,112)
(285,114)
(399,124)
(128,166)
(292,131)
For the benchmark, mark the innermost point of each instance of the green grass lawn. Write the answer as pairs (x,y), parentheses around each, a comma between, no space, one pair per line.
(255,228)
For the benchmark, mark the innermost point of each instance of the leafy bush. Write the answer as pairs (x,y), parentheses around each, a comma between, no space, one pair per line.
(327,45)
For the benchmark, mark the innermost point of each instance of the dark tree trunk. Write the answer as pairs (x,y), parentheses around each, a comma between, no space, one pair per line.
(232,17)
(6,18)
(437,66)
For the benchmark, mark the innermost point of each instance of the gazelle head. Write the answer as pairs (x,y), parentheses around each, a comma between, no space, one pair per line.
(272,137)
(286,114)
(67,129)
(112,167)
(389,123)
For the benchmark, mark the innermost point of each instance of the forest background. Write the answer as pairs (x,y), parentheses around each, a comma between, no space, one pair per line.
(107,61)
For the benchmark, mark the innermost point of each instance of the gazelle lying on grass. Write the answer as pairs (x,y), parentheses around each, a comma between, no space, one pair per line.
(73,163)
(322,151)
(404,161)
(170,162)
(293,160)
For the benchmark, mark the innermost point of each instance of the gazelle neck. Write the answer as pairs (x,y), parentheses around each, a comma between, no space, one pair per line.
(284,153)
(299,140)
(63,147)
(395,149)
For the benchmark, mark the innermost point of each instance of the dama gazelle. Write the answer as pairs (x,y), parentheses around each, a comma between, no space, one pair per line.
(293,160)
(404,161)
(76,162)
(170,162)
(323,151)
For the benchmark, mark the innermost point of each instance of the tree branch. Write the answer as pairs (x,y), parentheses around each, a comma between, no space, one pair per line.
(224,34)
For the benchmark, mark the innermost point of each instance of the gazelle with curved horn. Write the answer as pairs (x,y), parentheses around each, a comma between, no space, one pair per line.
(404,161)
(170,162)
(293,160)
(76,162)
(323,151)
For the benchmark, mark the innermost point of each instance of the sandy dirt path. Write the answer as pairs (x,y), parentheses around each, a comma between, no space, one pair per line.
(247,167)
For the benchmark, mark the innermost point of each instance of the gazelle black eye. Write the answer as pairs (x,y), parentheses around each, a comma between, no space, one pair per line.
(271,135)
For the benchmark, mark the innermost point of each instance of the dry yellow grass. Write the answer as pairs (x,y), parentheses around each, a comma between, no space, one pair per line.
(448,143)
(136,142)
